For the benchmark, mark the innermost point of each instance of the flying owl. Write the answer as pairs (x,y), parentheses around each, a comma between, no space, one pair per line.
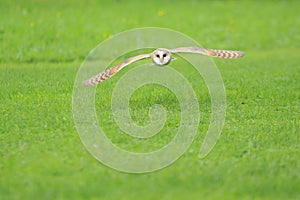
(161,56)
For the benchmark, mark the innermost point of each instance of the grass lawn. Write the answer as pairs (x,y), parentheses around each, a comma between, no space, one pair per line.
(42,45)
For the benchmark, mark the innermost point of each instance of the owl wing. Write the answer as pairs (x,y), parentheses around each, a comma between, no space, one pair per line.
(102,76)
(209,52)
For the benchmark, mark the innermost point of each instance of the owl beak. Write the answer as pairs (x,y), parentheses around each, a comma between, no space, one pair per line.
(161,59)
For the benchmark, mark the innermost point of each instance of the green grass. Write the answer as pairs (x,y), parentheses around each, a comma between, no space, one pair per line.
(42,44)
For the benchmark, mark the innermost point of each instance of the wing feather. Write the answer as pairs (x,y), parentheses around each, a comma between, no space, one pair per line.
(102,76)
(209,52)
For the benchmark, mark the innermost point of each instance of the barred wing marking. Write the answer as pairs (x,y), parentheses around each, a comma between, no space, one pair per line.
(209,52)
(102,76)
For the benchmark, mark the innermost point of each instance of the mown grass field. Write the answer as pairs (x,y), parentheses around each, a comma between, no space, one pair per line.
(43,43)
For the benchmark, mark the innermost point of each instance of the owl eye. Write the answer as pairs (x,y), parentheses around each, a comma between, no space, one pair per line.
(157,55)
(164,55)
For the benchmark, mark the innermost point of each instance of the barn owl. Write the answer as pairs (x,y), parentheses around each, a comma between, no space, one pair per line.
(161,56)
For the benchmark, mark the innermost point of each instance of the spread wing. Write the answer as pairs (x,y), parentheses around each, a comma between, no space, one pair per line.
(209,52)
(102,76)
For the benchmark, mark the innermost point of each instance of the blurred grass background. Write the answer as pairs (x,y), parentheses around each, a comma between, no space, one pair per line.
(42,44)
(62,31)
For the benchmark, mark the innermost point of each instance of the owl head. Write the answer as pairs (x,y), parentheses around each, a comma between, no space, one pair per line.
(161,56)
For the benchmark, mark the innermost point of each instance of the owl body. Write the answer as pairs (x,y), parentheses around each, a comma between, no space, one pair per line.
(161,57)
